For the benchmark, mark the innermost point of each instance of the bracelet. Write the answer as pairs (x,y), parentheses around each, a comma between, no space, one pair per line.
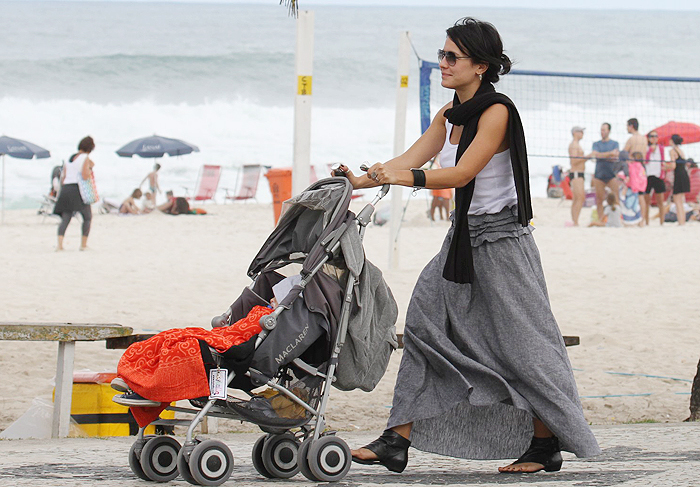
(418,178)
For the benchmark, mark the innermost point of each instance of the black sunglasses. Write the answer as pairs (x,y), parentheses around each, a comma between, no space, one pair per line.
(450,56)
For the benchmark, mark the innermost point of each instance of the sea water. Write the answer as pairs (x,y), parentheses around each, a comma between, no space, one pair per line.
(221,76)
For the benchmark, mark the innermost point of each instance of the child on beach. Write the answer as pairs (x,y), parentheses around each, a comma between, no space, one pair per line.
(149,203)
(612,212)
(152,178)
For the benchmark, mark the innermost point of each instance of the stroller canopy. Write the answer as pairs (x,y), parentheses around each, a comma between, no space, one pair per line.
(307,221)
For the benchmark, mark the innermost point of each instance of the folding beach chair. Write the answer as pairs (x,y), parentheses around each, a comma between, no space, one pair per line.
(207,184)
(249,176)
(46,208)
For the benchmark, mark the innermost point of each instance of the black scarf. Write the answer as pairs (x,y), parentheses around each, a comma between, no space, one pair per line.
(459,266)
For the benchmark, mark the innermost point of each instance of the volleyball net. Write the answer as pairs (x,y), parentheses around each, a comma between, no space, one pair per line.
(550,104)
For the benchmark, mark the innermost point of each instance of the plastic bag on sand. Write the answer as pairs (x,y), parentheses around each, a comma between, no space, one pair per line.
(36,423)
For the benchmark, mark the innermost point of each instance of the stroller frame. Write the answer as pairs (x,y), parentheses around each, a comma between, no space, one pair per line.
(318,454)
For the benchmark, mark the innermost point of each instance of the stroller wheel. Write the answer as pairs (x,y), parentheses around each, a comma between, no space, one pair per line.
(258,457)
(183,467)
(303,460)
(159,458)
(211,462)
(279,455)
(135,455)
(329,458)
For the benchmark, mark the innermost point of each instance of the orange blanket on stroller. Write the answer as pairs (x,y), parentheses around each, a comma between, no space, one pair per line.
(168,366)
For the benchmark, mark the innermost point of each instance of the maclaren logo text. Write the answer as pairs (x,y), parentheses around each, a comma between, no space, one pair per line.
(290,348)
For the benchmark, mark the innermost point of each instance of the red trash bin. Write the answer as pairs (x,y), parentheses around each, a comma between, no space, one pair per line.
(280,180)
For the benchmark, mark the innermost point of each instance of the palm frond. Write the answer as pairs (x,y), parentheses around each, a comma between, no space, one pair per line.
(293,6)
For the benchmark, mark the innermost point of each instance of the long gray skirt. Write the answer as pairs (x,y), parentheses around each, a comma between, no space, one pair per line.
(481,360)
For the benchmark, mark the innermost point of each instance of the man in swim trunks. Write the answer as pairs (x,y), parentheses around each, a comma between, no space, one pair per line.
(606,152)
(576,175)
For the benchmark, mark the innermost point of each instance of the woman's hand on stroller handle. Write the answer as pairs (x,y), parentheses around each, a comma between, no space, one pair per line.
(370,180)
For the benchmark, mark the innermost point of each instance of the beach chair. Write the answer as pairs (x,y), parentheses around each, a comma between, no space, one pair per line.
(694,194)
(46,208)
(207,184)
(249,184)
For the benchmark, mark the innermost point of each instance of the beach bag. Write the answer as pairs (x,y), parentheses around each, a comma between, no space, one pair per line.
(88,190)
(371,334)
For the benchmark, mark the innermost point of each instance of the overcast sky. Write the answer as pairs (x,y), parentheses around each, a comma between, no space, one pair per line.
(579,4)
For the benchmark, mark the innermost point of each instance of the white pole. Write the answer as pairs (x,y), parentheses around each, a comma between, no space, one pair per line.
(302,105)
(399,145)
(2,219)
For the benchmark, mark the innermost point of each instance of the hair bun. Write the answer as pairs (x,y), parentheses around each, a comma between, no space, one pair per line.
(506,64)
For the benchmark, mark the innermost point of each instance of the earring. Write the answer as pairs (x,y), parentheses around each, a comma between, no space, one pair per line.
(479,77)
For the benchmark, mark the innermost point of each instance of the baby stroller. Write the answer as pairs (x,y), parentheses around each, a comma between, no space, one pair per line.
(335,327)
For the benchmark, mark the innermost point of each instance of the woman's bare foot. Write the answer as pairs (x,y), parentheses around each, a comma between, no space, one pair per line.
(363,454)
(521,468)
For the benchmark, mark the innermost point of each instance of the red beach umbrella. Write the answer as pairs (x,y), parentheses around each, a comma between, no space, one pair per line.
(689,131)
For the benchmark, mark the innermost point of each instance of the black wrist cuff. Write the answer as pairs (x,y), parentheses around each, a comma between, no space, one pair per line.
(418,178)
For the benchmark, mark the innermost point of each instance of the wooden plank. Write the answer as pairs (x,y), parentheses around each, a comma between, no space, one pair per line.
(122,343)
(62,332)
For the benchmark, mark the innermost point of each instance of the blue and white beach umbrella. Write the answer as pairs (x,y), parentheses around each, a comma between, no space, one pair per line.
(20,149)
(157,146)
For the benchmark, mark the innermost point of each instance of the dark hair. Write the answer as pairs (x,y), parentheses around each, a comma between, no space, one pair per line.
(611,200)
(136,193)
(181,206)
(481,41)
(157,166)
(87,144)
(634,123)
(677,139)
(638,156)
(609,126)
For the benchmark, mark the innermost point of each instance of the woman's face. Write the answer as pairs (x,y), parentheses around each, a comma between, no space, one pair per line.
(653,138)
(464,70)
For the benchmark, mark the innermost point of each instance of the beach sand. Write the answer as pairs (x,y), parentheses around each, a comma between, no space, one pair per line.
(629,294)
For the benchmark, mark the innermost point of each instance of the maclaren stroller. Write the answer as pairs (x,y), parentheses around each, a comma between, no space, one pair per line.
(336,326)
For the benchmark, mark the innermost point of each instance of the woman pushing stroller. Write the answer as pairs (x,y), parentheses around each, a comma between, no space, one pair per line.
(484,373)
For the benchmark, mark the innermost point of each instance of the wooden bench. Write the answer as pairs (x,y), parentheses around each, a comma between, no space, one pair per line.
(66,334)
(123,342)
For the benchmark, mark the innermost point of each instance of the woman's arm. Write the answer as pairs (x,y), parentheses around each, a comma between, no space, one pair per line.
(490,136)
(422,150)
(87,168)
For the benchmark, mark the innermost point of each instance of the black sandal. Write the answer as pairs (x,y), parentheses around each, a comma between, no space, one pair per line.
(391,449)
(544,451)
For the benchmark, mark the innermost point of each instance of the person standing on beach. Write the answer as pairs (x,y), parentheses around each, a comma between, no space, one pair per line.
(637,142)
(577,173)
(655,166)
(606,152)
(484,372)
(69,199)
(152,178)
(681,180)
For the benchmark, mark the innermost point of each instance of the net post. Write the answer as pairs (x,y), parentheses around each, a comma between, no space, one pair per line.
(302,103)
(399,143)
